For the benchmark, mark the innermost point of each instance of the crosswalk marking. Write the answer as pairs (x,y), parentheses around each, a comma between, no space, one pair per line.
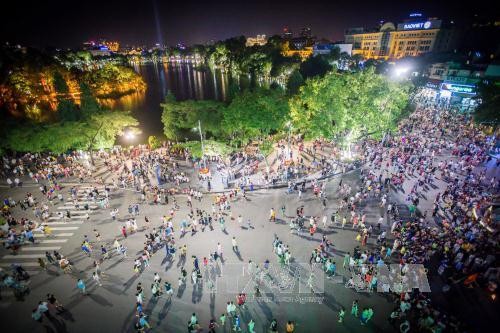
(40,248)
(63,234)
(59,218)
(63,223)
(91,207)
(24,256)
(60,225)
(49,241)
(64,228)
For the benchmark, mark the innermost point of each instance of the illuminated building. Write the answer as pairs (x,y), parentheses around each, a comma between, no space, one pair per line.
(303,53)
(326,48)
(113,46)
(101,48)
(287,33)
(457,82)
(306,32)
(413,37)
(258,40)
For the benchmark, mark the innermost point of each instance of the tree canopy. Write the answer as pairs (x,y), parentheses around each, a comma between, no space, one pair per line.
(97,131)
(181,117)
(254,113)
(348,104)
(250,113)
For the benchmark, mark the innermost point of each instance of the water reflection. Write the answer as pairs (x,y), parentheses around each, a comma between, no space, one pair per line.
(185,82)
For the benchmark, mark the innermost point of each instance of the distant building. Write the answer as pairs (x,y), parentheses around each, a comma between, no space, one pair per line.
(303,53)
(113,46)
(413,37)
(101,48)
(299,43)
(258,40)
(455,82)
(287,33)
(306,32)
(326,48)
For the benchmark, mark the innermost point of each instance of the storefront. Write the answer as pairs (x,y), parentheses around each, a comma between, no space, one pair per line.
(461,95)
(448,94)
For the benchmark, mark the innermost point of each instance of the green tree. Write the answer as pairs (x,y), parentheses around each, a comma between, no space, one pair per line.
(295,81)
(254,113)
(180,118)
(98,131)
(315,66)
(66,108)
(348,105)
(88,103)
(60,83)
(154,142)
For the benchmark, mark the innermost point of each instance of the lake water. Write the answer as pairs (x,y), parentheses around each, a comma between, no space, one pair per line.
(182,79)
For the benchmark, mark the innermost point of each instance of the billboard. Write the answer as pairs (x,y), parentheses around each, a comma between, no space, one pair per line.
(459,88)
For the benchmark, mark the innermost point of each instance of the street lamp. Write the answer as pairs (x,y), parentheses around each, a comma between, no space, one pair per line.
(201,141)
(129,135)
(400,70)
(289,125)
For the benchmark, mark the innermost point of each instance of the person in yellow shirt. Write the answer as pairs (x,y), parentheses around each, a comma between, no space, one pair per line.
(290,327)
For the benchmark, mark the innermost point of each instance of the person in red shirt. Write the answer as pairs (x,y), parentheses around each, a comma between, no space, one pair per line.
(241,299)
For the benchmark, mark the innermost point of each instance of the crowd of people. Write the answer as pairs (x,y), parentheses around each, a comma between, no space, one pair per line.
(434,152)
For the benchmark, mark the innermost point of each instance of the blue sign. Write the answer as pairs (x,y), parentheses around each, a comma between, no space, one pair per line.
(417,25)
(459,88)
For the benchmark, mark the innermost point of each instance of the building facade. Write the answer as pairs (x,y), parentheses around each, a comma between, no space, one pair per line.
(258,40)
(326,48)
(413,37)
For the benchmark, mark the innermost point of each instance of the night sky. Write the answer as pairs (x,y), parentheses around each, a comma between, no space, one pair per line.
(69,23)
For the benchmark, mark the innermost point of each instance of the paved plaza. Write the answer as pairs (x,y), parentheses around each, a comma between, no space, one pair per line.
(111,307)
(292,290)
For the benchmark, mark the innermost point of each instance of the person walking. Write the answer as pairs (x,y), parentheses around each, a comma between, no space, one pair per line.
(354,308)
(81,285)
(41,262)
(290,327)
(212,325)
(49,257)
(97,279)
(235,245)
(251,326)
(341,315)
(274,326)
(124,231)
(222,319)
(219,250)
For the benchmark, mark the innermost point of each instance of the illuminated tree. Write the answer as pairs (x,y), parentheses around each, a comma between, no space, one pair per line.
(255,113)
(98,131)
(362,103)
(154,142)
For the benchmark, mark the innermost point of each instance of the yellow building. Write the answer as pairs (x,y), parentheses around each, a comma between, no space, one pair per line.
(412,43)
(112,46)
(259,40)
(411,38)
(303,53)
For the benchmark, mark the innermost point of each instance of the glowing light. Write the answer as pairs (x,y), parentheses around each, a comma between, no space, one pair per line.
(129,135)
(401,70)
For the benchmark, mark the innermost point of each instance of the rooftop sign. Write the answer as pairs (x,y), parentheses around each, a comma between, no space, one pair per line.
(419,25)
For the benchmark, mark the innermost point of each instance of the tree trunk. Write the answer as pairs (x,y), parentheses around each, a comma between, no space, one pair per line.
(91,143)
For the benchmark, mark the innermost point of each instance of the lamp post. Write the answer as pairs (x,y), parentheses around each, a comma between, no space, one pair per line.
(289,125)
(202,146)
